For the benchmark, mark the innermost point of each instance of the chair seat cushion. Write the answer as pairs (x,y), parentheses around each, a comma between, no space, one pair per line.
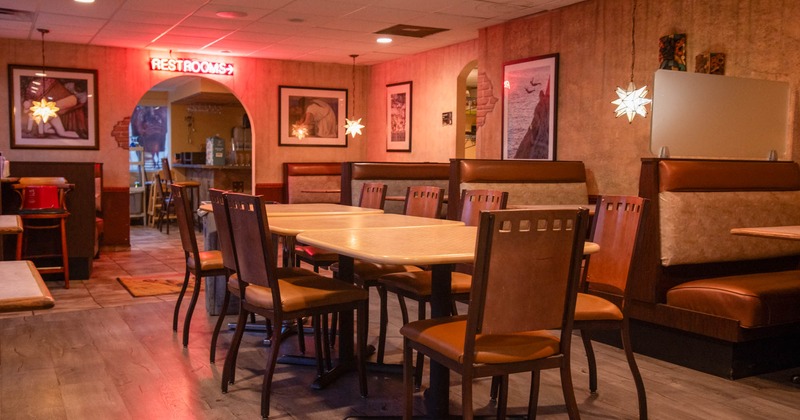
(755,300)
(283,273)
(209,260)
(594,308)
(315,253)
(301,293)
(446,336)
(368,272)
(419,282)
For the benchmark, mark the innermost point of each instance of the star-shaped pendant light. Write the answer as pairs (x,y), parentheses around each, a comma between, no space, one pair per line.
(42,110)
(632,101)
(353,125)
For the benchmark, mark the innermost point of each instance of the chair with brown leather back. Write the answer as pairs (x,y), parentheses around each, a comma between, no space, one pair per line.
(198,263)
(618,230)
(263,292)
(527,269)
(373,196)
(416,285)
(229,261)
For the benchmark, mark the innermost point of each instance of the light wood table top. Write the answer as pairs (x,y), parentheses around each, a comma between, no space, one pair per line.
(23,288)
(307,209)
(778,232)
(10,224)
(292,226)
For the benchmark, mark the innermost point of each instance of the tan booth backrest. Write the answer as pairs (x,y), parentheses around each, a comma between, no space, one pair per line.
(701,201)
(526,181)
(301,177)
(397,177)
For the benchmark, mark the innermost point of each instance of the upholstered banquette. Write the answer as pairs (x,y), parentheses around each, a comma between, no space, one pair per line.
(707,299)
(311,182)
(397,176)
(526,181)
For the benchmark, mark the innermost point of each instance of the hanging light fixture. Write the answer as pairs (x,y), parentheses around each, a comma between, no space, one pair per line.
(632,101)
(42,110)
(353,126)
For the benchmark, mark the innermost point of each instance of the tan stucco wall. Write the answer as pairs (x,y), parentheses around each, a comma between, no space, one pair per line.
(760,39)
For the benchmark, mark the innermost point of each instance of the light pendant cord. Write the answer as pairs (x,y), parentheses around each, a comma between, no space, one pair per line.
(633,38)
(354,83)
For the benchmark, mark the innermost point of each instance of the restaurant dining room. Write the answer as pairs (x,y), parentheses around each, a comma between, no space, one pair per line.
(397,209)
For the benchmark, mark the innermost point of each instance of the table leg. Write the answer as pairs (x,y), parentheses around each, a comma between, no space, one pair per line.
(437,397)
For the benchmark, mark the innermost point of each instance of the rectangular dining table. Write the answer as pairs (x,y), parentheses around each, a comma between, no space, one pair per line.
(306,209)
(441,248)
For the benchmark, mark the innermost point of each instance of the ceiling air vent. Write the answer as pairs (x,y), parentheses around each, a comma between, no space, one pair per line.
(16,15)
(411,30)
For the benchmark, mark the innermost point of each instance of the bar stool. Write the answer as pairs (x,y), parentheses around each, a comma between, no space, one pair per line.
(43,207)
(192,187)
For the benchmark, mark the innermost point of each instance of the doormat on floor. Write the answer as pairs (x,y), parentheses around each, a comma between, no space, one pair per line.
(155,285)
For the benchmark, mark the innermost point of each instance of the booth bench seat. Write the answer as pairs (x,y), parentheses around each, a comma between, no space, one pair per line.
(707,299)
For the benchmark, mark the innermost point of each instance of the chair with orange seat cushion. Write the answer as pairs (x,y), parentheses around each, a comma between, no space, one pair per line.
(527,269)
(263,292)
(373,196)
(618,231)
(416,285)
(198,263)
(229,261)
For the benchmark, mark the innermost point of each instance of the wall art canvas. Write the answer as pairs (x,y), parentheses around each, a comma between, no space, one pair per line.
(398,117)
(311,116)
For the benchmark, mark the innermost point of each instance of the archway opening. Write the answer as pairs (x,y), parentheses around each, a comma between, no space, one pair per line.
(467,111)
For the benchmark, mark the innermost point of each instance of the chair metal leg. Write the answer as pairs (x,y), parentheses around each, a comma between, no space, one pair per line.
(218,326)
(180,299)
(637,377)
(266,388)
(494,389)
(362,327)
(533,398)
(502,403)
(420,357)
(228,374)
(587,345)
(568,390)
(316,320)
(408,381)
(190,310)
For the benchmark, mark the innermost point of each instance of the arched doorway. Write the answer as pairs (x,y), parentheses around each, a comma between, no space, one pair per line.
(466,111)
(201,127)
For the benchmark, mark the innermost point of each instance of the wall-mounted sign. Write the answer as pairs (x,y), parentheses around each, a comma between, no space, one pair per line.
(180,65)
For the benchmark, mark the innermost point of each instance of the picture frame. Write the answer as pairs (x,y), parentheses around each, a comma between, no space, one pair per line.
(398,117)
(530,89)
(309,116)
(74,93)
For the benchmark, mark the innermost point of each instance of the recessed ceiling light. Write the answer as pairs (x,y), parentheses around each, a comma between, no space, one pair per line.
(225,52)
(84,1)
(231,14)
(384,40)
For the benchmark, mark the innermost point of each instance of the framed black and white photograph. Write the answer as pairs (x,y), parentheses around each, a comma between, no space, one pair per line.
(398,117)
(530,89)
(52,110)
(312,116)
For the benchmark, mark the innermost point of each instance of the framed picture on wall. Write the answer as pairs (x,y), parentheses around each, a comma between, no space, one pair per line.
(398,117)
(311,116)
(57,110)
(530,89)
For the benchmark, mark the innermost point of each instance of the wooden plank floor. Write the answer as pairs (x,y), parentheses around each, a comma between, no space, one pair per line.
(101,354)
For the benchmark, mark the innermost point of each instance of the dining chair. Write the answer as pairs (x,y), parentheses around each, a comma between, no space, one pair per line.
(416,285)
(198,263)
(527,269)
(225,242)
(167,209)
(262,291)
(602,303)
(373,196)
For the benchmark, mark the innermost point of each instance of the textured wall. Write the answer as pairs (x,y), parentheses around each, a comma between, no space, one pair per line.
(760,39)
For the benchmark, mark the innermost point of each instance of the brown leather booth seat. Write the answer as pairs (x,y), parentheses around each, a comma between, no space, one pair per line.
(702,297)
(755,300)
